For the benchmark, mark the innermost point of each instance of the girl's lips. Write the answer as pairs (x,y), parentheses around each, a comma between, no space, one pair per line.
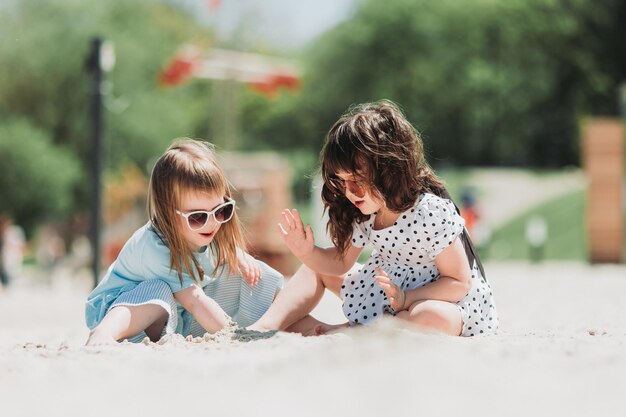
(359,203)
(207,235)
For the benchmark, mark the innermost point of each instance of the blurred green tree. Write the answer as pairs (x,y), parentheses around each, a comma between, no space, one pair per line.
(43,80)
(37,178)
(486,82)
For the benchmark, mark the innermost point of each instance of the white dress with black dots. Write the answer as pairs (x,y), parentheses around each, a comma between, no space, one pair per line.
(406,251)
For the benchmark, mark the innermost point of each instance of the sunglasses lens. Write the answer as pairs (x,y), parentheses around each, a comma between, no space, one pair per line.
(355,188)
(359,190)
(197,220)
(223,214)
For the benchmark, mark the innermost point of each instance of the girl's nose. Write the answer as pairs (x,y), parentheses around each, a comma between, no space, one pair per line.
(211,224)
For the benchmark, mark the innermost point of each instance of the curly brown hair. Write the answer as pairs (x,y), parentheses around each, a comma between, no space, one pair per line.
(377,144)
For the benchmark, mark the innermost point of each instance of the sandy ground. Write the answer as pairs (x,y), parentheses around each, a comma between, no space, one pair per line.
(560,352)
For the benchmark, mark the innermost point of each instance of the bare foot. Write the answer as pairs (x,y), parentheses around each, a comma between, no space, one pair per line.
(99,339)
(323,328)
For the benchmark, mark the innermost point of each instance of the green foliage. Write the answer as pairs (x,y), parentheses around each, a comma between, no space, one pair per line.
(486,82)
(38,178)
(44,78)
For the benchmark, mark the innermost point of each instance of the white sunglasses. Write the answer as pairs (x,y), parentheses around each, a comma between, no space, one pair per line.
(196,220)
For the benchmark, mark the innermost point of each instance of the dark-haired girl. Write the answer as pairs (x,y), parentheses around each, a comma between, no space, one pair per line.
(379,190)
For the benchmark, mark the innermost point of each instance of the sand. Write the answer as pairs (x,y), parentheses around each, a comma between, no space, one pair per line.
(560,351)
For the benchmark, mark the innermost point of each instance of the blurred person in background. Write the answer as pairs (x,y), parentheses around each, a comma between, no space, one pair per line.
(469,210)
(4,278)
(50,248)
(12,246)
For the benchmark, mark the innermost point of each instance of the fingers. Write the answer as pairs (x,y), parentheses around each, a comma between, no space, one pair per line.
(291,221)
(256,272)
(381,272)
(395,295)
(387,285)
(288,223)
(251,276)
(297,220)
(384,282)
(246,275)
(250,269)
(293,217)
(288,219)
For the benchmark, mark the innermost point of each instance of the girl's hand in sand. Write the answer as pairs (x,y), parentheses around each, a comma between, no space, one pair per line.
(396,296)
(249,267)
(100,338)
(298,239)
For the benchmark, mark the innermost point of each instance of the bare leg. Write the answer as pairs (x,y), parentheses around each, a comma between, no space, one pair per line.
(155,330)
(433,315)
(299,297)
(122,322)
(306,326)
(310,326)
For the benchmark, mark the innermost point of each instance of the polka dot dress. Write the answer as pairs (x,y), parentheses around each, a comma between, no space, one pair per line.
(406,251)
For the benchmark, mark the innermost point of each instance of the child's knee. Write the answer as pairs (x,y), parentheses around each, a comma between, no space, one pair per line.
(429,319)
(435,316)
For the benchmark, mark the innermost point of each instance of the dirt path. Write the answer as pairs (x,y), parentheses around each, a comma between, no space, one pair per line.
(505,194)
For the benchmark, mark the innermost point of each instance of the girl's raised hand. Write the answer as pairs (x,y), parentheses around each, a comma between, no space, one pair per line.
(249,267)
(396,296)
(298,239)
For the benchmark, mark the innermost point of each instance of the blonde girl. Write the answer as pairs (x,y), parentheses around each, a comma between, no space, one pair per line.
(186,270)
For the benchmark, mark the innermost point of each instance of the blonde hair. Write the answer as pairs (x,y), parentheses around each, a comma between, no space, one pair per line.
(190,166)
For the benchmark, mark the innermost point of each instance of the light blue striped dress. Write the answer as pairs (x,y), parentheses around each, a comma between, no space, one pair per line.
(142,275)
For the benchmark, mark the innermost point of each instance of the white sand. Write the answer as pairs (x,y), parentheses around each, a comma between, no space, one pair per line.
(543,362)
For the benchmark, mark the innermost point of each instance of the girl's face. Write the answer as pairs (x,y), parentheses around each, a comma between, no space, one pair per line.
(359,193)
(198,201)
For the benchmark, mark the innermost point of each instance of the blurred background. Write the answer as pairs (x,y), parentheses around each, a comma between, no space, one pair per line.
(520,103)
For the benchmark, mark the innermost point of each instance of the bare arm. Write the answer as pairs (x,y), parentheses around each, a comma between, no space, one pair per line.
(301,243)
(325,260)
(454,281)
(204,309)
(453,284)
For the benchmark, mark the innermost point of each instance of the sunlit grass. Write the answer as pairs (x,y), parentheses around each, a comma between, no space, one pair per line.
(566,232)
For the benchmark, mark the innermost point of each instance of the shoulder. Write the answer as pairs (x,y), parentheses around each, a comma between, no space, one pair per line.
(432,211)
(430,205)
(361,232)
(145,245)
(135,247)
(152,241)
(364,225)
(438,224)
